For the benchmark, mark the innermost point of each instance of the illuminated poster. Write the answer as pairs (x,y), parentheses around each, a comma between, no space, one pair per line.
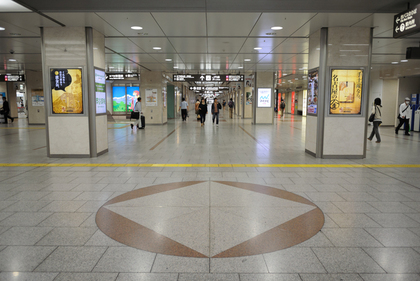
(248,98)
(312,92)
(66,91)
(151,97)
(264,97)
(346,91)
(118,99)
(100,91)
(132,94)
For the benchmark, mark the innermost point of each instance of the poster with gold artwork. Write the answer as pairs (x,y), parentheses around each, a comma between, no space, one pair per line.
(66,90)
(346,91)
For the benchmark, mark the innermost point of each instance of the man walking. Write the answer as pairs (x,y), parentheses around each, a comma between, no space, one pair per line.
(184,109)
(6,110)
(231,105)
(137,108)
(215,110)
(404,116)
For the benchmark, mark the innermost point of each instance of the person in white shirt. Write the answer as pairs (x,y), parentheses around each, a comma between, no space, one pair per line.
(184,109)
(137,108)
(404,116)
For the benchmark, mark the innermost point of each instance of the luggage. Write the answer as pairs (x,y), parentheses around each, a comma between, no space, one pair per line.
(135,115)
(143,121)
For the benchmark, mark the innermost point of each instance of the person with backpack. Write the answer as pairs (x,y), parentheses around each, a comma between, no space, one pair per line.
(231,105)
(377,120)
(404,116)
(282,107)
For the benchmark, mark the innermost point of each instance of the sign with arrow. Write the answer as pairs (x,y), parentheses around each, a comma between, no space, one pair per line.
(407,22)
(207,78)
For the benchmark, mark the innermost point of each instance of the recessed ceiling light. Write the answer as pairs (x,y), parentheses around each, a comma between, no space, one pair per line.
(284,74)
(111,67)
(257,48)
(137,27)
(276,28)
(240,67)
(168,59)
(12,60)
(404,60)
(175,66)
(2,28)
(394,62)
(157,48)
(247,59)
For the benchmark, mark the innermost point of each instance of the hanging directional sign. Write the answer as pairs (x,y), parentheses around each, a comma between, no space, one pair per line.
(207,78)
(12,78)
(122,76)
(199,88)
(407,22)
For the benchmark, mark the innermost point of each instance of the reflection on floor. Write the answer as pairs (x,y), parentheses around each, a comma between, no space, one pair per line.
(211,203)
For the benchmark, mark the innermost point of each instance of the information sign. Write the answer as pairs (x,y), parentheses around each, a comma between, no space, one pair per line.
(207,78)
(407,22)
(200,88)
(122,76)
(12,78)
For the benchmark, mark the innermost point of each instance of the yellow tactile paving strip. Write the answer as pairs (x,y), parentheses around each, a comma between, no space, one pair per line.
(214,165)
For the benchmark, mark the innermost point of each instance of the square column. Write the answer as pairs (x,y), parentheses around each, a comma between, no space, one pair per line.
(73,60)
(263,100)
(336,126)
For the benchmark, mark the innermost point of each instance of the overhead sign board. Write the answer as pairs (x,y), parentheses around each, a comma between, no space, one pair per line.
(12,78)
(122,76)
(199,88)
(407,22)
(207,78)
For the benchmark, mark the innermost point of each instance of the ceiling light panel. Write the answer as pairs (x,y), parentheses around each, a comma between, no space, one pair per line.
(182,24)
(123,22)
(290,22)
(226,24)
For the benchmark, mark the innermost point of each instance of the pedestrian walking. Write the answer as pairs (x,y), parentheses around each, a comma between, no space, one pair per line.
(404,116)
(377,120)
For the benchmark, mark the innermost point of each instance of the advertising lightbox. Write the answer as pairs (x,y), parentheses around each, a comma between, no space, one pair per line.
(264,97)
(312,92)
(346,91)
(100,91)
(66,90)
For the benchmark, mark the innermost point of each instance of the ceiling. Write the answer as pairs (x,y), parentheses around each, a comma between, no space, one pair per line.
(206,36)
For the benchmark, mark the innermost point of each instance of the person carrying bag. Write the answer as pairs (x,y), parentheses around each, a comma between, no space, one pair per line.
(376,118)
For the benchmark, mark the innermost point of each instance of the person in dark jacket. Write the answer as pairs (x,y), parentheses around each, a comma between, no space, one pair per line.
(6,110)
(377,120)
(202,108)
(215,110)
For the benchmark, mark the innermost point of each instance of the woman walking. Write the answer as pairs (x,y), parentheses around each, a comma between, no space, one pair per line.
(202,108)
(377,120)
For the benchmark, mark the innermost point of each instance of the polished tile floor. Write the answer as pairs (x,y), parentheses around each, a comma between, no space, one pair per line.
(49,215)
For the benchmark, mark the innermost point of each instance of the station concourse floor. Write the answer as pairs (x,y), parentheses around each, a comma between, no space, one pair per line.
(185,202)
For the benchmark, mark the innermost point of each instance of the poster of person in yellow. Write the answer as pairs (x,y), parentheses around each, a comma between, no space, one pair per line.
(66,90)
(346,91)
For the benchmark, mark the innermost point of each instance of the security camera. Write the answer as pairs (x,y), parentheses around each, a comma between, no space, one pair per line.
(12,52)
